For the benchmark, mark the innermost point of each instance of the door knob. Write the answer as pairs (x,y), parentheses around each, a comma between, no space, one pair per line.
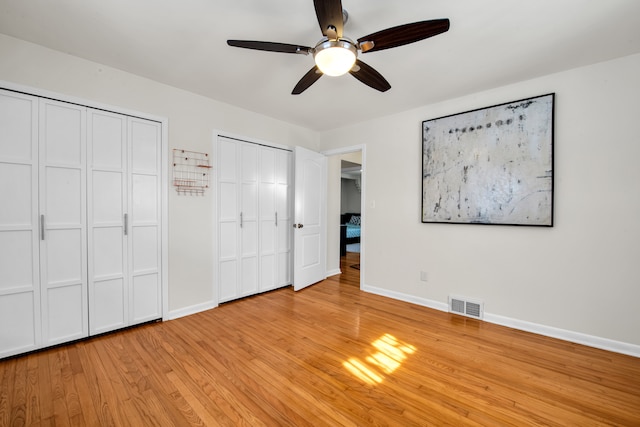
(298,225)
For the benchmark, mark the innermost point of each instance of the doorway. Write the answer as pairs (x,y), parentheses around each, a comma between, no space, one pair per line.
(345,209)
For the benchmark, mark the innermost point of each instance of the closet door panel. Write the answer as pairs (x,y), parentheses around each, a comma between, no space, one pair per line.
(20,324)
(249,276)
(18,328)
(228,241)
(16,266)
(63,197)
(146,298)
(63,257)
(66,315)
(65,297)
(228,152)
(63,126)
(228,280)
(108,140)
(249,202)
(145,249)
(107,198)
(228,202)
(145,146)
(249,222)
(283,198)
(144,232)
(145,207)
(18,121)
(227,161)
(108,284)
(107,183)
(108,253)
(109,312)
(249,258)
(267,272)
(17,204)
(267,206)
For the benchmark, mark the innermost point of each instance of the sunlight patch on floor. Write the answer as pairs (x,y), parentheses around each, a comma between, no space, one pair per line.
(387,355)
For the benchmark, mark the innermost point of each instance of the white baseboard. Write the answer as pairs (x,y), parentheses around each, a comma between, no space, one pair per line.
(406,298)
(193,309)
(566,335)
(563,334)
(333,272)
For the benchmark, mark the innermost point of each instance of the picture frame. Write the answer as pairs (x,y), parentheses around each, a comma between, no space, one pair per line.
(492,165)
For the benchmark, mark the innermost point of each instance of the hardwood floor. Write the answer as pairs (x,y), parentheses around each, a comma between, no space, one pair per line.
(329,355)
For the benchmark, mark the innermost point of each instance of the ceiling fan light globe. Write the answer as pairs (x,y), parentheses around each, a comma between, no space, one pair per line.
(335,57)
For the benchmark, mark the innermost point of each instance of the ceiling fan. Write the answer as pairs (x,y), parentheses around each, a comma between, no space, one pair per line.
(336,55)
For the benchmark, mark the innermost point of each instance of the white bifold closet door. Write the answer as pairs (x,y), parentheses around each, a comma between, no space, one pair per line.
(79,222)
(20,329)
(43,281)
(124,227)
(63,222)
(254,218)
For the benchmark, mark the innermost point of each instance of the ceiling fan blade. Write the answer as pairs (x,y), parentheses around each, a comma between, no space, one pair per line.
(403,34)
(369,76)
(270,46)
(307,80)
(329,13)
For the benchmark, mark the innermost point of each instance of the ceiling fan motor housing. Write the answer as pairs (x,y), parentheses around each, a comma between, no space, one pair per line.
(335,57)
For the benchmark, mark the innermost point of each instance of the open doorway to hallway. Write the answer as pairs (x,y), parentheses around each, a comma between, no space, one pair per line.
(346,207)
(350,211)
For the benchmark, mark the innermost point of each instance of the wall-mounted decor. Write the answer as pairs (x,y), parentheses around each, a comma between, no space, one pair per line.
(190,171)
(490,166)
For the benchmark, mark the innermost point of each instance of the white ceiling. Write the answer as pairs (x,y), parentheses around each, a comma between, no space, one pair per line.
(183,43)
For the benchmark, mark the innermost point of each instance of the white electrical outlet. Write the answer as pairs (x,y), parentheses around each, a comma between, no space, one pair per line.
(423,276)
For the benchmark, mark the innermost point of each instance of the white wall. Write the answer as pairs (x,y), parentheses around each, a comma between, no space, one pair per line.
(580,276)
(192,120)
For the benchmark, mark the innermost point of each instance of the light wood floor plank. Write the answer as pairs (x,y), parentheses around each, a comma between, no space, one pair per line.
(329,355)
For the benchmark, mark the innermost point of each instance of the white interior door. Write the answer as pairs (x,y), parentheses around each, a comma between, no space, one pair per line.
(107,183)
(63,255)
(19,233)
(310,220)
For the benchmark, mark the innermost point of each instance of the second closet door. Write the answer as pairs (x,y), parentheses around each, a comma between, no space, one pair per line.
(254,218)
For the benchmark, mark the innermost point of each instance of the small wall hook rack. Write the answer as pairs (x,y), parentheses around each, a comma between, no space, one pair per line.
(190,171)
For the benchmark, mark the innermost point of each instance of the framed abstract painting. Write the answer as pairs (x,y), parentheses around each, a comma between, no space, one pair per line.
(492,165)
